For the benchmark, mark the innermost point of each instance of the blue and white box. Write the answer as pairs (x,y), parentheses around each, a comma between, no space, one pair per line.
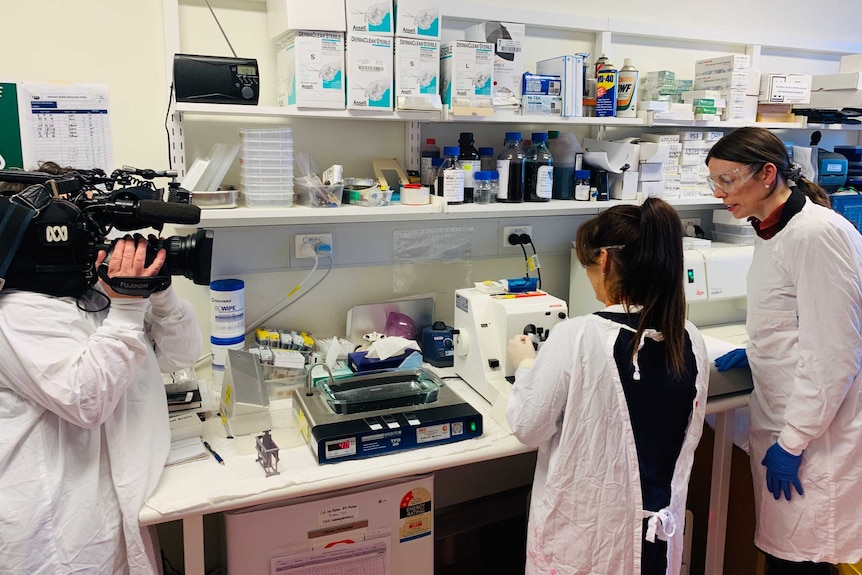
(370,62)
(310,69)
(417,74)
(370,17)
(466,76)
(417,19)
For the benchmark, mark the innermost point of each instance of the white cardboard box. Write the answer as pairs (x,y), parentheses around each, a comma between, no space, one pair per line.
(624,186)
(417,74)
(370,17)
(466,73)
(370,62)
(310,69)
(850,63)
(284,15)
(719,64)
(836,90)
(417,19)
(785,88)
(508,40)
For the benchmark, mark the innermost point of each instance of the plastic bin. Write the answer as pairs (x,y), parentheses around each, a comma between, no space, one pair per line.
(733,238)
(267,199)
(741,230)
(281,162)
(318,196)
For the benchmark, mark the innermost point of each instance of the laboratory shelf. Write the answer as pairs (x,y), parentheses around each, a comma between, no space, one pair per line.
(242,110)
(245,216)
(436,211)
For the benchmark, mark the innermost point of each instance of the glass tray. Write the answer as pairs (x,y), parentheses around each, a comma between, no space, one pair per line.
(381,390)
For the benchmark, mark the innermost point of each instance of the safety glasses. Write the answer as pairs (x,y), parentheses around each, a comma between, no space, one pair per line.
(731,180)
(598,250)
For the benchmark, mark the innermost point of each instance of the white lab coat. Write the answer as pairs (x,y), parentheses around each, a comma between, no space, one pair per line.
(84,431)
(586,512)
(804,323)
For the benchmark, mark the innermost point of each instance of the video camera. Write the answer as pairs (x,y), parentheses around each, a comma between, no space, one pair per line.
(51,231)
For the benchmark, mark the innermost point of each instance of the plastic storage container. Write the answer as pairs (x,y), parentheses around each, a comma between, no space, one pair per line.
(734,234)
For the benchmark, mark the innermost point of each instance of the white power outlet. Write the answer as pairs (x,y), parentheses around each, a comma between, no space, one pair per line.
(517,230)
(307,243)
(688,225)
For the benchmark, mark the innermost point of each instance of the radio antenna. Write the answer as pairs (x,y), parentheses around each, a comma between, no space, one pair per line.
(220,28)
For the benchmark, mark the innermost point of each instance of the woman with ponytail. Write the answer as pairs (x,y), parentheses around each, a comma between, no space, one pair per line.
(804,324)
(615,402)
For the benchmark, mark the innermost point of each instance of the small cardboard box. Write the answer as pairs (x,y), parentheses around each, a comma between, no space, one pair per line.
(417,74)
(508,40)
(370,16)
(370,62)
(729,63)
(417,19)
(310,69)
(285,15)
(785,88)
(466,73)
(837,90)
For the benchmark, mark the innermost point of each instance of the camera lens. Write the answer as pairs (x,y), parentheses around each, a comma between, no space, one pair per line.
(190,256)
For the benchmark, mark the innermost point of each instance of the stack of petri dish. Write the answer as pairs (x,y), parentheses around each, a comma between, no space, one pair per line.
(266,167)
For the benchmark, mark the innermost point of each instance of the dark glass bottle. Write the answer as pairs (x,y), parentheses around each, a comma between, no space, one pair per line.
(470,163)
(510,167)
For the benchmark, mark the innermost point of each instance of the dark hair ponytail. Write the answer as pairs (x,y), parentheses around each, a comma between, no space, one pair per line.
(647,271)
(655,277)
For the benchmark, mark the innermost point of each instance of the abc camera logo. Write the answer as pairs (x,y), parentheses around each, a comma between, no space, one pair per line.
(56,234)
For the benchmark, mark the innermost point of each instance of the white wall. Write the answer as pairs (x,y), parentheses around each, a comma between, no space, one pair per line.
(121,43)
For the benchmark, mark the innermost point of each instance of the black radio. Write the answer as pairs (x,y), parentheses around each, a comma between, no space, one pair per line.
(216,79)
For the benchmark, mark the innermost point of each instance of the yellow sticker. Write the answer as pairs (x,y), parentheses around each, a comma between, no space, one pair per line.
(303,425)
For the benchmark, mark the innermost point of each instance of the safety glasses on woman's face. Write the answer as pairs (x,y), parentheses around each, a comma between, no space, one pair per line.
(731,180)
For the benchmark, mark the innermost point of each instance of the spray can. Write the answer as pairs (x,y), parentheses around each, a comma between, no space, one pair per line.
(627,90)
(606,91)
(600,63)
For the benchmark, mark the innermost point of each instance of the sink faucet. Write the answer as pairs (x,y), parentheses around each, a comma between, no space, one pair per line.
(309,380)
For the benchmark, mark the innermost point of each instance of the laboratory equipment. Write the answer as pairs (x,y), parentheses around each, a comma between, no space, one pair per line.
(510,167)
(244,404)
(267,453)
(484,323)
(378,413)
(438,346)
(831,170)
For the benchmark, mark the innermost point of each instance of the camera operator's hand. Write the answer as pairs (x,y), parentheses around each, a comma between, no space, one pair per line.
(128,259)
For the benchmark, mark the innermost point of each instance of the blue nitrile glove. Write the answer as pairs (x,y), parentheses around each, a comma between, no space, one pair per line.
(782,471)
(732,359)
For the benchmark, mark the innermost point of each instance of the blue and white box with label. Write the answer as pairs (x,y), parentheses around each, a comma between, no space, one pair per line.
(369,72)
(417,74)
(417,19)
(370,17)
(466,75)
(310,67)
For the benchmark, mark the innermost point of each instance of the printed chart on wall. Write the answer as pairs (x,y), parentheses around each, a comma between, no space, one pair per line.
(68,124)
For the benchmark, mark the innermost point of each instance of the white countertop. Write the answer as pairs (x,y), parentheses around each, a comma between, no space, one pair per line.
(204,486)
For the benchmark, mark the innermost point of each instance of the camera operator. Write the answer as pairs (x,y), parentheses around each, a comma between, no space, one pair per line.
(84,429)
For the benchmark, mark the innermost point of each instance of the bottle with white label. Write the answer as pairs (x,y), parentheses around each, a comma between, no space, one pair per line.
(538,170)
(450,177)
(627,90)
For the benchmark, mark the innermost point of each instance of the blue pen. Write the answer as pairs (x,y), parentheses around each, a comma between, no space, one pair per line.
(213,453)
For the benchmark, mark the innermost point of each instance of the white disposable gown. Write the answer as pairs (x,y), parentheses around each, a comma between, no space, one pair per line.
(586,511)
(804,323)
(84,429)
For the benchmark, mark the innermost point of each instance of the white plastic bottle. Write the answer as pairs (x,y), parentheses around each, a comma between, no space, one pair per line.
(627,90)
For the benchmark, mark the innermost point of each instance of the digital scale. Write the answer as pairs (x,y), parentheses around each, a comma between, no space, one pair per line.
(381,413)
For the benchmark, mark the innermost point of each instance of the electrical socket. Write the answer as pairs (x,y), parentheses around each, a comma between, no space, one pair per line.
(305,241)
(686,222)
(517,230)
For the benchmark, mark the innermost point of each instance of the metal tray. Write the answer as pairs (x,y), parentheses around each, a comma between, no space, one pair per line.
(381,390)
